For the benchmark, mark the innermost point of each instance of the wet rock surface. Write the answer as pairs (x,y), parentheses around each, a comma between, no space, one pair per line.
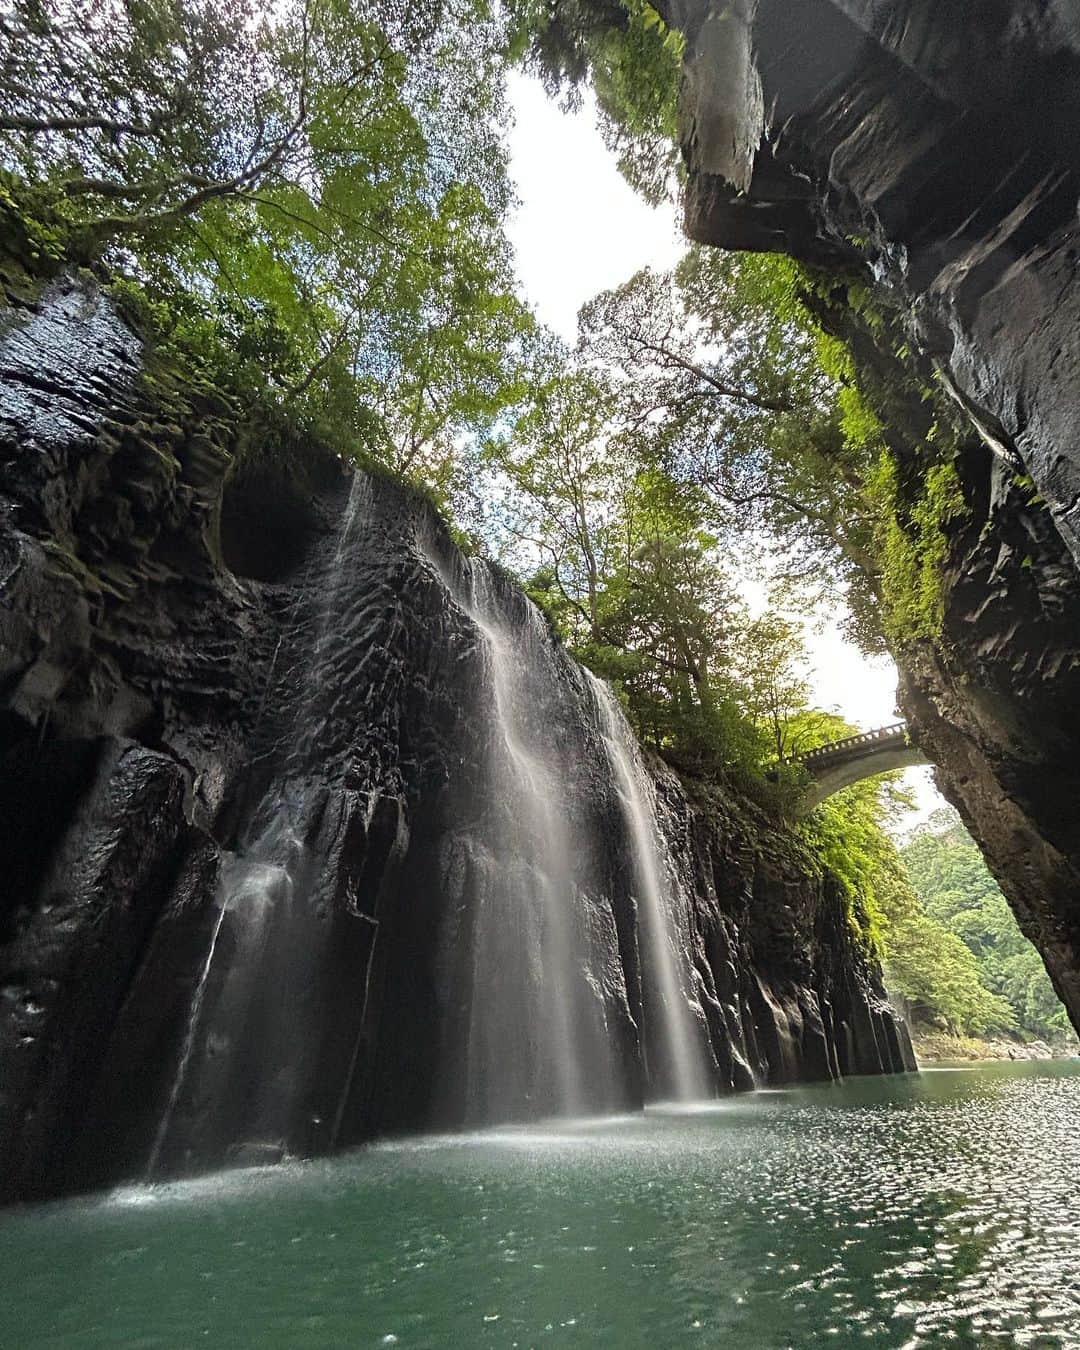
(994,704)
(930,149)
(250,847)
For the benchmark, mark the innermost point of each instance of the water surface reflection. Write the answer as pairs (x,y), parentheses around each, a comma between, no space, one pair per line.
(922,1211)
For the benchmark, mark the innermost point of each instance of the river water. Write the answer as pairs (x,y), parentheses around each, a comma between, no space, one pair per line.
(922,1211)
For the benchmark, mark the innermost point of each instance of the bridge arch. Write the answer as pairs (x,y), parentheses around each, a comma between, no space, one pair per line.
(840,763)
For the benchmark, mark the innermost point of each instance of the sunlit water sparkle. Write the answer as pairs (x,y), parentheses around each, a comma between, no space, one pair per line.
(916,1212)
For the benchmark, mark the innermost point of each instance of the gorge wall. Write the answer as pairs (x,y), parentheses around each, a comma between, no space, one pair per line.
(929,148)
(311,830)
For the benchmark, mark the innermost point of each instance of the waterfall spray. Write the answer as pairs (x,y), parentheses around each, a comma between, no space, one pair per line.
(259,895)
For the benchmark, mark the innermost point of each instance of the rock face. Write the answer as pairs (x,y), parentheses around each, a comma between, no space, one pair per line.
(283,780)
(939,147)
(994,703)
(931,146)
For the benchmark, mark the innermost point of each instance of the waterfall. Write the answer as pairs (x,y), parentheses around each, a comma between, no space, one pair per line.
(539,1039)
(542,844)
(244,1025)
(527,778)
(661,907)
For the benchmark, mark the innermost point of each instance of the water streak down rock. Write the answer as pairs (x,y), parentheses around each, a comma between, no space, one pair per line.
(312,830)
(679,1065)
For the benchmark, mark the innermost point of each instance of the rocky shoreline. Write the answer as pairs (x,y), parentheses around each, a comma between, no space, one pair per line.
(934,1047)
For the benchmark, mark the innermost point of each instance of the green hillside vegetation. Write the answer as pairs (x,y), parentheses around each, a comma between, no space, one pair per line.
(951,924)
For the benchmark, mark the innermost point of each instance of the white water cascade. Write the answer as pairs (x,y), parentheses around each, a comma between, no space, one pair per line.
(662,908)
(538,1036)
(530,780)
(262,893)
(556,879)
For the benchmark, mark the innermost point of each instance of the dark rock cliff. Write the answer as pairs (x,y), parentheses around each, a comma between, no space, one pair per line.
(930,147)
(994,702)
(255,881)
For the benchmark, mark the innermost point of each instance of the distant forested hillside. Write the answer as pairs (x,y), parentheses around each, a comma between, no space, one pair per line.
(953,947)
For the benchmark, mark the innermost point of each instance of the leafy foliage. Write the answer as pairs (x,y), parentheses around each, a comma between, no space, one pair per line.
(957,896)
(847,831)
(318,189)
(774,687)
(932,969)
(756,367)
(632,59)
(722,366)
(626,569)
(913,547)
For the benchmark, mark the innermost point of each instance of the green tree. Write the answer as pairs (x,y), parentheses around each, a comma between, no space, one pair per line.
(931,968)
(562,488)
(632,60)
(620,557)
(312,193)
(672,625)
(131,118)
(925,962)
(721,361)
(794,399)
(772,671)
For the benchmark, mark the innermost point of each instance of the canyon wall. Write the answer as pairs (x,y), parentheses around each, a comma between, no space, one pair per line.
(929,149)
(311,829)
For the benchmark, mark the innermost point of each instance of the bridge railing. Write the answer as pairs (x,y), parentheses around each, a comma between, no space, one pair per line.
(863,738)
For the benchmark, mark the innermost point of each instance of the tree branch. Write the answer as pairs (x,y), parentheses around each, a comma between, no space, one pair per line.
(727,390)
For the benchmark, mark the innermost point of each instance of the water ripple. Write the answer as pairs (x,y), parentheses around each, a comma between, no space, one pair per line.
(916,1212)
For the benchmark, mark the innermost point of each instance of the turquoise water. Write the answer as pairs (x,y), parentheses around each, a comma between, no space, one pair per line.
(925,1211)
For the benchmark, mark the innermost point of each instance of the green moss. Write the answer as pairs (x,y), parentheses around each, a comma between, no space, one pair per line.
(905,432)
(911,530)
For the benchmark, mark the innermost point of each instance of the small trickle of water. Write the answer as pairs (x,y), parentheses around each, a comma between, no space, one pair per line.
(680,1035)
(250,889)
(187,1047)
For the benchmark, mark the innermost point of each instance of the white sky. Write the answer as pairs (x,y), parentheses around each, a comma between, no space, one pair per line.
(581,229)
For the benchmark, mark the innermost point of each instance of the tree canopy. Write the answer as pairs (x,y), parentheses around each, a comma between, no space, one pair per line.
(317,188)
(959,902)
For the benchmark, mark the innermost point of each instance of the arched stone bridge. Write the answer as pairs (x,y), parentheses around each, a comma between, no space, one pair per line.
(840,763)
